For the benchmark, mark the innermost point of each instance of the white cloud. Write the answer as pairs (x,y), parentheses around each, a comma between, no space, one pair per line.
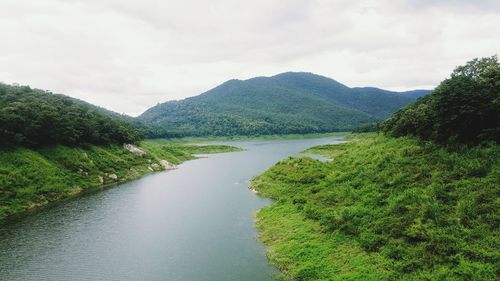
(129,55)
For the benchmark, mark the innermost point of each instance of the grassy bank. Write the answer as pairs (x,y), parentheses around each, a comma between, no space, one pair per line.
(384,209)
(32,178)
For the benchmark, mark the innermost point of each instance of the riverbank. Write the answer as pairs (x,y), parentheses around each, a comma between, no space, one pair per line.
(383,209)
(33,178)
(159,227)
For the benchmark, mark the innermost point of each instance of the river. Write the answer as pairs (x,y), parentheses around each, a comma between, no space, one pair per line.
(190,224)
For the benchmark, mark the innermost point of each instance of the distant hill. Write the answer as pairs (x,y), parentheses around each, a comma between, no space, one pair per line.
(415,93)
(32,117)
(292,102)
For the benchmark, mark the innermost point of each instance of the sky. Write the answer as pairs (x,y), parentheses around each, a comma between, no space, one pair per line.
(130,55)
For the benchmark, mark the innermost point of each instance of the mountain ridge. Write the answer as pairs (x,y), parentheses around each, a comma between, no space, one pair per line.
(289,102)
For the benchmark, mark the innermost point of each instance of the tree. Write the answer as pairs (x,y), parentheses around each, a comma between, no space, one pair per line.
(464,108)
(33,117)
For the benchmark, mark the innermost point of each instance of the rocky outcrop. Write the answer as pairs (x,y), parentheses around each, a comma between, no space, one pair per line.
(134,149)
(113,177)
(167,165)
(163,165)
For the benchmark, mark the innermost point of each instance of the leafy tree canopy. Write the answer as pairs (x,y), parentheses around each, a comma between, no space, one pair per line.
(33,117)
(464,108)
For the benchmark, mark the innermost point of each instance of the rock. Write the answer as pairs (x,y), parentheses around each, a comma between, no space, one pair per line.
(155,166)
(151,169)
(113,177)
(82,172)
(167,165)
(134,149)
(75,191)
(101,180)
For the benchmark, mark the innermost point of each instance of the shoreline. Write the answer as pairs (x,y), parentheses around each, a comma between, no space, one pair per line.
(118,166)
(13,218)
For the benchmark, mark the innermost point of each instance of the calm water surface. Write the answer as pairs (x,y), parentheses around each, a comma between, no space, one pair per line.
(190,224)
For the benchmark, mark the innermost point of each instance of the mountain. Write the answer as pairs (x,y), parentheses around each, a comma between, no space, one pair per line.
(32,117)
(415,94)
(291,102)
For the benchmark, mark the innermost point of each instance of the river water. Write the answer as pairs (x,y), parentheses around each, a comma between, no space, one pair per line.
(190,224)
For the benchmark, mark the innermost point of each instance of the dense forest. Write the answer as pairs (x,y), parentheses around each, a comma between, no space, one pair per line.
(33,117)
(419,202)
(464,108)
(287,103)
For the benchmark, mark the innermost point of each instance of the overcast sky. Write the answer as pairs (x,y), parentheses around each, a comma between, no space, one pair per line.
(130,55)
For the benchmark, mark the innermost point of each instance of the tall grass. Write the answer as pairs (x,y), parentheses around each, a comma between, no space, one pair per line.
(384,209)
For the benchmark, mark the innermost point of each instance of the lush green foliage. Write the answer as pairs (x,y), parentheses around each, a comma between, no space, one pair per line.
(33,118)
(384,209)
(368,128)
(464,108)
(289,103)
(34,177)
(209,139)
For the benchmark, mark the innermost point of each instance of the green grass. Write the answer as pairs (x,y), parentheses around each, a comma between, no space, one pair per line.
(33,178)
(384,209)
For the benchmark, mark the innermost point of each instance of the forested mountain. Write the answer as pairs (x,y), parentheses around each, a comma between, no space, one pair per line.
(292,102)
(34,117)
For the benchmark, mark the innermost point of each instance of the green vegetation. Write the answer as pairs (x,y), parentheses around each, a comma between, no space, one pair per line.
(463,109)
(208,139)
(31,178)
(368,128)
(424,206)
(33,118)
(384,209)
(289,103)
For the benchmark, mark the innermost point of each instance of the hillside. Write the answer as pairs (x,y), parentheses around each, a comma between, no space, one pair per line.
(384,209)
(283,104)
(54,147)
(34,177)
(32,117)
(419,202)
